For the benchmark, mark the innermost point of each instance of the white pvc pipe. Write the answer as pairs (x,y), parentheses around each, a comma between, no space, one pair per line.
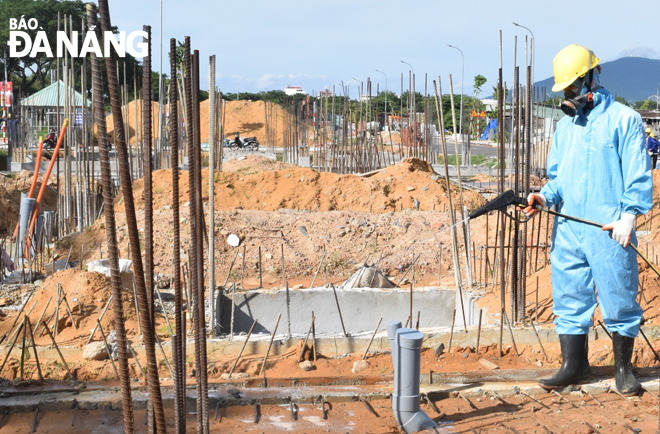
(406,354)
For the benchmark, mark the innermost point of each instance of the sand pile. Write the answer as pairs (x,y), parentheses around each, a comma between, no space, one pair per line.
(410,184)
(87,294)
(248,118)
(390,137)
(252,164)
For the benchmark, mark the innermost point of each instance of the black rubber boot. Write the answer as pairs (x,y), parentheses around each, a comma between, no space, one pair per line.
(623,349)
(575,368)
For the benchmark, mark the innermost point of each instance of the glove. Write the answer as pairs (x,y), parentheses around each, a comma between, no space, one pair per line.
(532,200)
(622,229)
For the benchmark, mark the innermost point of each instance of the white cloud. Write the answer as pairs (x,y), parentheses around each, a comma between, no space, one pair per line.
(272,81)
(637,50)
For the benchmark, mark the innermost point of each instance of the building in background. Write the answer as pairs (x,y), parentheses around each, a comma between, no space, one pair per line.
(651,119)
(294,90)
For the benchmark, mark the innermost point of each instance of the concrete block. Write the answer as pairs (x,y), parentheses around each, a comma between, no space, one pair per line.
(361,309)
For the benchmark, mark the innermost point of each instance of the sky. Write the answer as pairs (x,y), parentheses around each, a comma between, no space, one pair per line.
(264,45)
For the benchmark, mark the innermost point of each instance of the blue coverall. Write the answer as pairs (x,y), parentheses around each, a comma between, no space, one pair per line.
(653,146)
(597,172)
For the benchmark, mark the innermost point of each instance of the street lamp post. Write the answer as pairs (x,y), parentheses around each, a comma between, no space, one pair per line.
(161,94)
(386,123)
(533,47)
(359,90)
(460,124)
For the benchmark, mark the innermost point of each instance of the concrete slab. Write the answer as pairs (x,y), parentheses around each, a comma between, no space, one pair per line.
(360,308)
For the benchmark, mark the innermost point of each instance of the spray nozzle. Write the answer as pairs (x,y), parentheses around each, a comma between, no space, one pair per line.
(500,203)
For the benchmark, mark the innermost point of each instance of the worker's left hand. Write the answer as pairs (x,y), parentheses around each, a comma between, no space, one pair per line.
(622,229)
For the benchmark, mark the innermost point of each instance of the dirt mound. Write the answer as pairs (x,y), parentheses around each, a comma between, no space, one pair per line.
(390,137)
(483,178)
(248,118)
(534,181)
(407,185)
(87,294)
(129,112)
(252,164)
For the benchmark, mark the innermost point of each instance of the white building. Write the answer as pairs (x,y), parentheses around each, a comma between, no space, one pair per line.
(294,90)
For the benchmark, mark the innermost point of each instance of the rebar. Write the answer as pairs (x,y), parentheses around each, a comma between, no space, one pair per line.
(153,382)
(52,338)
(111,234)
(364,356)
(270,344)
(211,244)
(107,347)
(147,163)
(240,353)
(178,355)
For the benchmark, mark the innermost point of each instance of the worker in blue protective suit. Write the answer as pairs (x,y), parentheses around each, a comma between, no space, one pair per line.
(653,146)
(598,169)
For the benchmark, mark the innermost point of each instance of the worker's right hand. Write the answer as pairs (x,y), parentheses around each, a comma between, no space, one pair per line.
(532,200)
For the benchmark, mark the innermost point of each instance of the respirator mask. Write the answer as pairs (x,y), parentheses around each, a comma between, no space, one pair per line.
(579,96)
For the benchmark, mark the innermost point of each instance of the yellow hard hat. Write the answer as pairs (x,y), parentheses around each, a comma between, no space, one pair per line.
(648,130)
(652,135)
(570,63)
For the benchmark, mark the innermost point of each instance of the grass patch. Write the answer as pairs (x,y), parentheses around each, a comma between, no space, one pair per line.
(477,160)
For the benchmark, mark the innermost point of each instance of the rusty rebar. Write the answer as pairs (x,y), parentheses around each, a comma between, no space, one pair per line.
(148,209)
(34,348)
(148,167)
(12,345)
(107,347)
(177,355)
(110,231)
(193,282)
(270,344)
(240,353)
(199,209)
(153,382)
(60,352)
(364,356)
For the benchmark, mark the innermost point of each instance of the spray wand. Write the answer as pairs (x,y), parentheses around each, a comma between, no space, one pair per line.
(508,198)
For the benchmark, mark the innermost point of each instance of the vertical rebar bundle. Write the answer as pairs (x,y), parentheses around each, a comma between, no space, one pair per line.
(179,338)
(148,200)
(153,381)
(111,235)
(199,211)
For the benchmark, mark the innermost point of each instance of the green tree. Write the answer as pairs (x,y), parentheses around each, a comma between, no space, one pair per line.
(35,70)
(621,100)
(479,81)
(645,105)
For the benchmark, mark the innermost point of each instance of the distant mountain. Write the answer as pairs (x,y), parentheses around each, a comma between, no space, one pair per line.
(634,78)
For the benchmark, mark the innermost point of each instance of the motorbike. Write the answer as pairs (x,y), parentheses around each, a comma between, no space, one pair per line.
(242,143)
(51,140)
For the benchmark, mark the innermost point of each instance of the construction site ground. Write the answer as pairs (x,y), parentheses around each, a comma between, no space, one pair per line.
(390,217)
